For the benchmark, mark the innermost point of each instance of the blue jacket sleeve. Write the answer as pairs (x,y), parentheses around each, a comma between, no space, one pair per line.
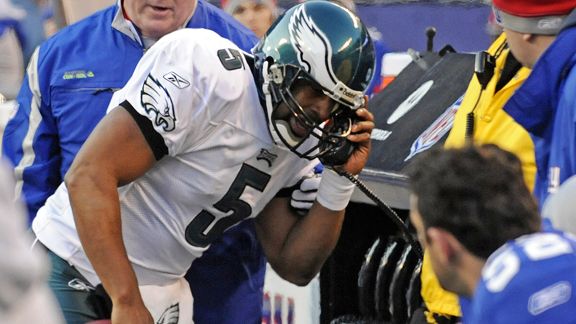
(30,142)
(380,49)
(562,159)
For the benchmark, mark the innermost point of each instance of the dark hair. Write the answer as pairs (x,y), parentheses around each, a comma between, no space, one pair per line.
(477,193)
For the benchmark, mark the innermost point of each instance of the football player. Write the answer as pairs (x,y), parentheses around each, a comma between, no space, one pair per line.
(61,101)
(477,219)
(202,137)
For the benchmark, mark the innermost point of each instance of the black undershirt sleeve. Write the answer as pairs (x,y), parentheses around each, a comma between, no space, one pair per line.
(154,139)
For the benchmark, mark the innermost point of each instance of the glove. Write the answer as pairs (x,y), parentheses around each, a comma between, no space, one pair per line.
(304,196)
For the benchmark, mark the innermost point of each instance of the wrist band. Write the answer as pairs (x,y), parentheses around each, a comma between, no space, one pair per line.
(335,191)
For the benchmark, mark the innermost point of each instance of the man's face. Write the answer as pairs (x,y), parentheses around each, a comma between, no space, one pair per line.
(518,47)
(436,250)
(156,18)
(416,220)
(255,15)
(316,105)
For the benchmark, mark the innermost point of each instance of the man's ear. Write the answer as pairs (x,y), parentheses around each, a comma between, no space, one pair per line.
(445,244)
(528,38)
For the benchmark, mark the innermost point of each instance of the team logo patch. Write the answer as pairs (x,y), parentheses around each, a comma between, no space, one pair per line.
(78,284)
(314,52)
(497,16)
(550,23)
(158,104)
(267,156)
(178,81)
(434,132)
(312,45)
(170,315)
(79,74)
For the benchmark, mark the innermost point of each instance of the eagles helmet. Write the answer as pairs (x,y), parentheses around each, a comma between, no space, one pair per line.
(326,46)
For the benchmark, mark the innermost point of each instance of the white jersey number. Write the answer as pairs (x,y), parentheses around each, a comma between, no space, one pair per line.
(507,264)
(231,202)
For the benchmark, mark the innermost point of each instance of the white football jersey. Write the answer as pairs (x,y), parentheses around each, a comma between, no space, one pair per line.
(196,102)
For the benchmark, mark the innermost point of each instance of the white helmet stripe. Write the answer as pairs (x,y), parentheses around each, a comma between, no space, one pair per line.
(315,52)
(313,47)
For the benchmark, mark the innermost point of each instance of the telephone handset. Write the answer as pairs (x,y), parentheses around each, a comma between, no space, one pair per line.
(341,148)
(340,152)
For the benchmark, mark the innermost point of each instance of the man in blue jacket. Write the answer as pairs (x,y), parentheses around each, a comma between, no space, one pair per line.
(542,36)
(65,93)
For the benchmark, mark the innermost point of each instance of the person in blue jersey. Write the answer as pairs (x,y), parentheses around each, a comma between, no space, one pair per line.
(474,214)
(66,91)
(202,137)
(542,36)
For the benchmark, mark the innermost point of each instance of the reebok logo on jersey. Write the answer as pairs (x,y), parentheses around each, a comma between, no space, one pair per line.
(178,81)
(549,297)
(266,156)
(158,104)
(170,315)
(78,284)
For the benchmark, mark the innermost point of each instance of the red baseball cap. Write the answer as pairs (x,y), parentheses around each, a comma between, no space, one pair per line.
(543,17)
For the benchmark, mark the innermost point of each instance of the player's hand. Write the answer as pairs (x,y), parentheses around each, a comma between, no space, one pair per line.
(303,198)
(361,131)
(128,314)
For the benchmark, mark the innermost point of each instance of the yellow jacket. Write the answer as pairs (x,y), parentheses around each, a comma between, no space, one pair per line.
(492,125)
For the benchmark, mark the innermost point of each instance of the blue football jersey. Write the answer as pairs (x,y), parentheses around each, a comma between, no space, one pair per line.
(528,280)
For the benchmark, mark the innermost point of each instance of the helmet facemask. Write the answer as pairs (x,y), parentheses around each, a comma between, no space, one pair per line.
(325,47)
(320,135)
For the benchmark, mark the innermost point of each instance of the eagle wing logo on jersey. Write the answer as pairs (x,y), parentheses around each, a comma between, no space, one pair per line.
(170,315)
(157,101)
(313,47)
(267,156)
